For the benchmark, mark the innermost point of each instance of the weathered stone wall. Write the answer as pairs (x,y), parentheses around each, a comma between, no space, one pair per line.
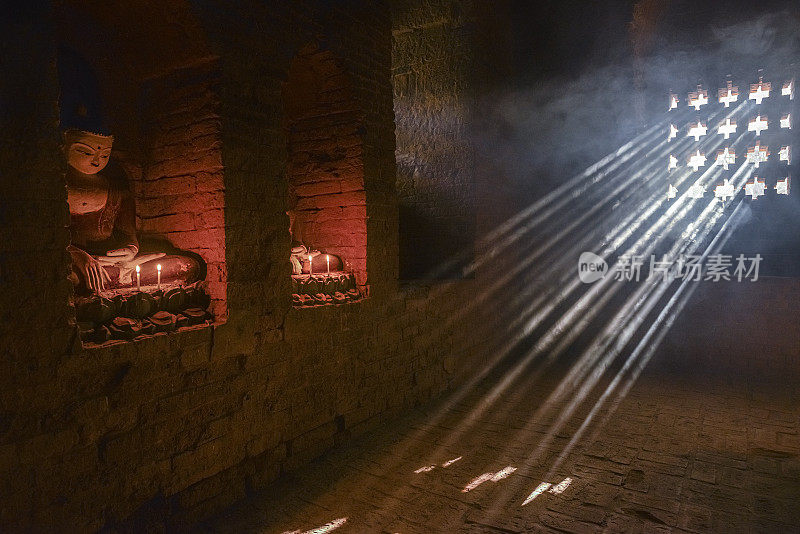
(166,429)
(438,71)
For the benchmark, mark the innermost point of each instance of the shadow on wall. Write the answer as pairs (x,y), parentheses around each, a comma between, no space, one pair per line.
(427,250)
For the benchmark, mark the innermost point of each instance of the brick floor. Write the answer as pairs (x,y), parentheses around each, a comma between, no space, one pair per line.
(680,452)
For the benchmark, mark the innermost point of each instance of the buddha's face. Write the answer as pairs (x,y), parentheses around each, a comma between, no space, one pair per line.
(87,152)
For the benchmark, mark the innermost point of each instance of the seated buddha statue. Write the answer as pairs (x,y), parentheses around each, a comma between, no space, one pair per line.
(104,247)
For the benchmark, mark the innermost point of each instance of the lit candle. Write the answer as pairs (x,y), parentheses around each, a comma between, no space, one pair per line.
(310,265)
(158,268)
(328,261)
(138,280)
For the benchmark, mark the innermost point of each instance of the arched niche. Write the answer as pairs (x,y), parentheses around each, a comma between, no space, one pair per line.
(158,81)
(325,171)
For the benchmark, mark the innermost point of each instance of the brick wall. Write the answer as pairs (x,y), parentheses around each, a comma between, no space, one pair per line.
(164,430)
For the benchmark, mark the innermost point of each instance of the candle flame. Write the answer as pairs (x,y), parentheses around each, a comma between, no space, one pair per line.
(158,266)
(137,268)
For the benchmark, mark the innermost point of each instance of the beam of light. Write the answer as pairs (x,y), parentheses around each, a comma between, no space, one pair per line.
(494,287)
(577,373)
(573,284)
(614,325)
(574,224)
(646,346)
(625,234)
(583,312)
(448,463)
(543,343)
(324,529)
(665,314)
(565,231)
(536,416)
(609,164)
(617,328)
(578,317)
(425,469)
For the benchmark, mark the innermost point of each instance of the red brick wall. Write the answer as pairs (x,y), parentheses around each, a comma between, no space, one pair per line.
(325,166)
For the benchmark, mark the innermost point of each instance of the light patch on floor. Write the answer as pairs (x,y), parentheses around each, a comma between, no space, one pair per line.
(494,477)
(561,486)
(541,488)
(503,473)
(448,463)
(477,481)
(327,527)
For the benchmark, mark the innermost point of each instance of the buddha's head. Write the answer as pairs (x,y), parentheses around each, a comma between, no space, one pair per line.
(87,152)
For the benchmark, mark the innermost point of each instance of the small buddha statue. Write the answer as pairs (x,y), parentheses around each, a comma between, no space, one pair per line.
(305,259)
(104,246)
